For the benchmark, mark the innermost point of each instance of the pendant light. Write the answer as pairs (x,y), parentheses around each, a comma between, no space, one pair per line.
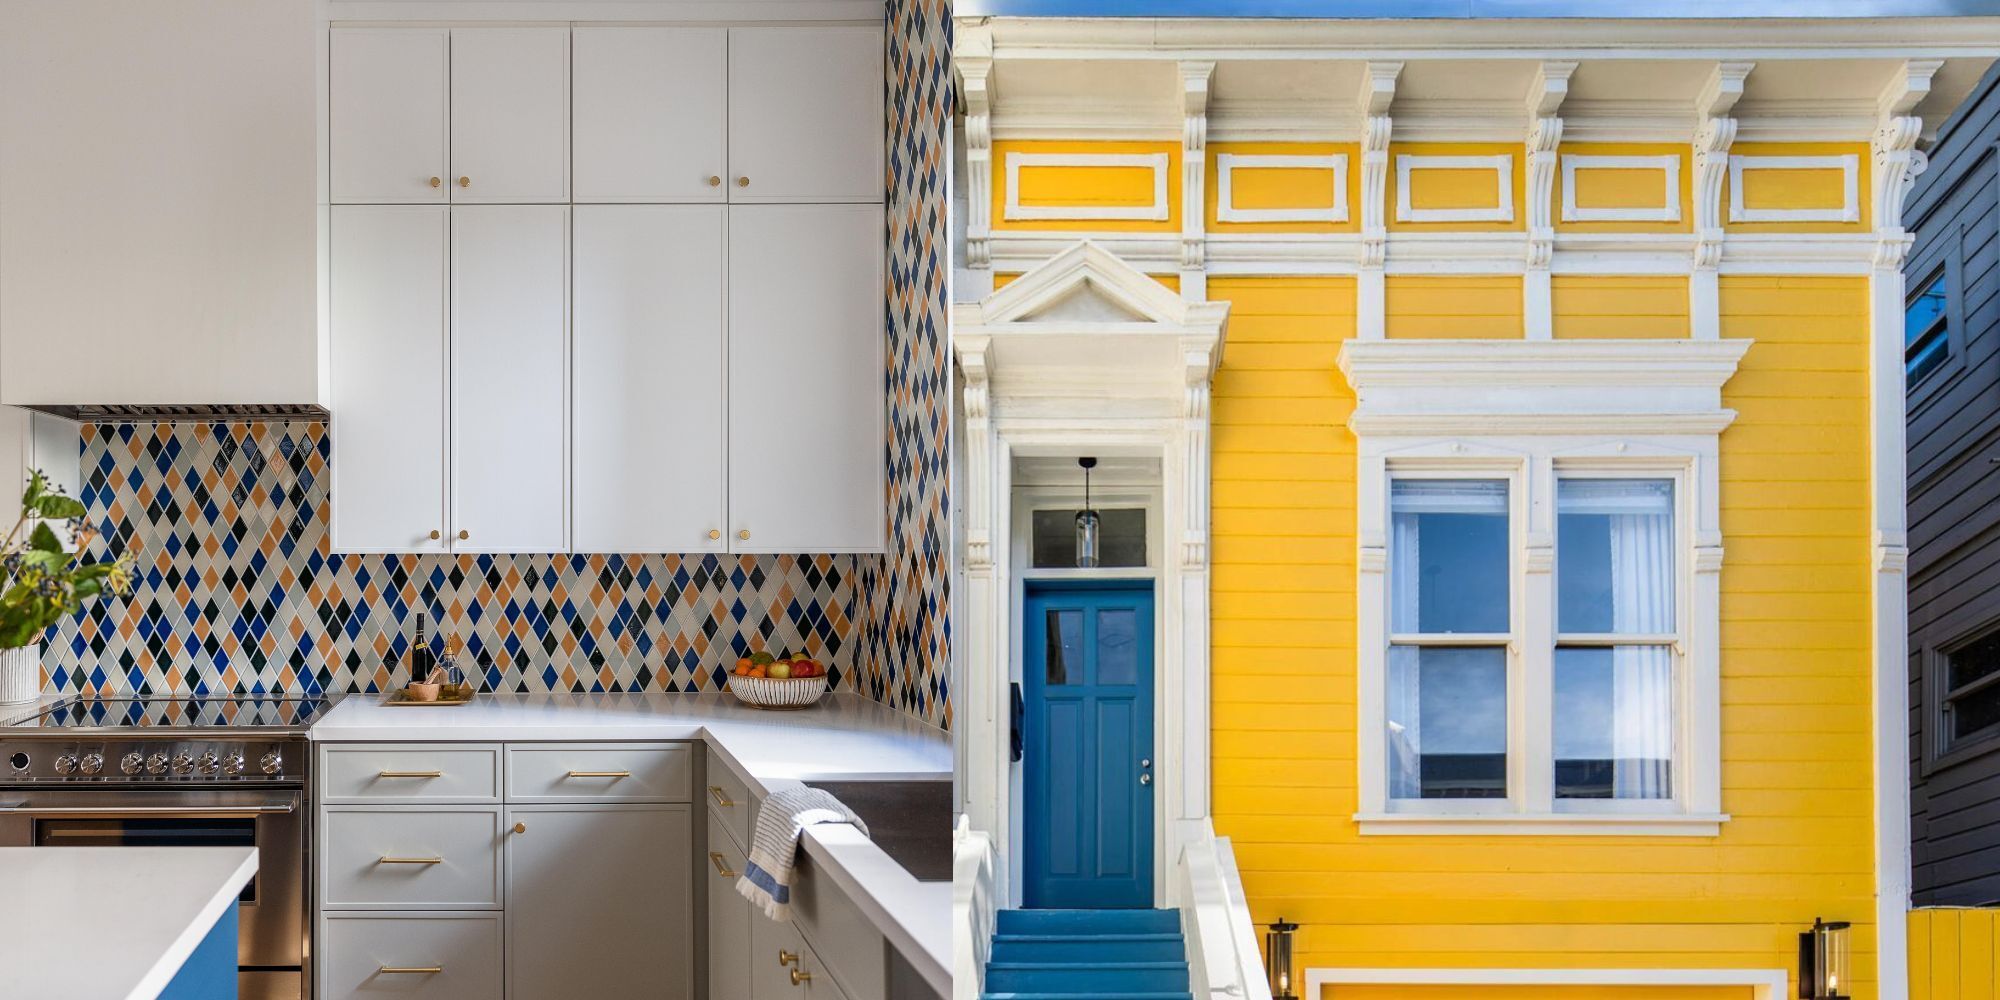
(1086,521)
(1278,958)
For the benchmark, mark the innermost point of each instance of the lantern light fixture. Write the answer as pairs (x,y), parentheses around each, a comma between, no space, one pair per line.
(1278,959)
(1823,961)
(1086,521)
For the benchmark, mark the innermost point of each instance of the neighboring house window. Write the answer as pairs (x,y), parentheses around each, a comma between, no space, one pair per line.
(1971,702)
(1927,329)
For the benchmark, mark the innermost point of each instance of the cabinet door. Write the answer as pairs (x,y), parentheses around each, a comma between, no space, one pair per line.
(599,903)
(388,111)
(649,114)
(805,378)
(804,976)
(510,115)
(729,916)
(387,377)
(806,111)
(508,350)
(648,379)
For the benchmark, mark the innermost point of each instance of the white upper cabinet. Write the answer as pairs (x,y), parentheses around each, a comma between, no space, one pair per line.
(389,110)
(648,379)
(649,114)
(508,353)
(806,114)
(158,163)
(806,400)
(388,374)
(509,115)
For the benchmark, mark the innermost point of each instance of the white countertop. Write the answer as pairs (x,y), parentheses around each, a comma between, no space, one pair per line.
(97,923)
(844,737)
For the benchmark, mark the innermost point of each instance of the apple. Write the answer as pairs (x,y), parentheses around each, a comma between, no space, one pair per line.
(780,670)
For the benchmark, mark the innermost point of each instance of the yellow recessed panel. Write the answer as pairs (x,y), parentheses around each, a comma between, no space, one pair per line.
(1084,186)
(1281,188)
(1797,186)
(1620,187)
(1455,187)
(1470,187)
(1623,187)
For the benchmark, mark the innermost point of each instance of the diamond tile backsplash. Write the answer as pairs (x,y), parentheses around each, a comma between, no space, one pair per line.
(238,592)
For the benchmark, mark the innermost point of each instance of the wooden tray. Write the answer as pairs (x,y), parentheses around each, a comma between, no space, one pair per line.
(449,696)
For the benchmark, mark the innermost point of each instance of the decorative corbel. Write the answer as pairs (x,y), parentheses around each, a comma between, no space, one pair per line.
(1378,92)
(1714,136)
(1199,357)
(1195,77)
(975,73)
(1898,161)
(975,360)
(1545,130)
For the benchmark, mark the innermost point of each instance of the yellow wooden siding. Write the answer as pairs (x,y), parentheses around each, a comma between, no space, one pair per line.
(1625,188)
(1619,307)
(1800,188)
(1451,187)
(1283,188)
(1484,992)
(1431,307)
(1795,638)
(1954,954)
(1115,186)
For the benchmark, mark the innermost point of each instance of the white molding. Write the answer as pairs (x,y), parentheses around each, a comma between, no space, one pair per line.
(1848,164)
(1669,211)
(1764,984)
(1155,212)
(1226,164)
(1541,824)
(1502,165)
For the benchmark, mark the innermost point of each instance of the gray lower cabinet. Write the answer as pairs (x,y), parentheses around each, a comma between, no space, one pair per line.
(429,956)
(783,965)
(597,902)
(729,916)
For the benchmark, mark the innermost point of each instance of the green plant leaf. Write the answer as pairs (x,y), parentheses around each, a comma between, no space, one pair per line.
(57,507)
(43,539)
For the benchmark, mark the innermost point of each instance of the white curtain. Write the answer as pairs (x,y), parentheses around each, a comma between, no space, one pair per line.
(1406,774)
(1640,513)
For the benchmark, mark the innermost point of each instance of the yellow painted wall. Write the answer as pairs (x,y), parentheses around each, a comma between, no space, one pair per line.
(1284,188)
(1106,186)
(1795,639)
(1442,188)
(1429,307)
(1954,954)
(1626,187)
(1618,306)
(1800,189)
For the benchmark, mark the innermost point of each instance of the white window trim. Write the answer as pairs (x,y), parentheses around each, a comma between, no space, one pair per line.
(1155,212)
(1849,165)
(1669,209)
(1764,984)
(1530,411)
(1226,165)
(1502,165)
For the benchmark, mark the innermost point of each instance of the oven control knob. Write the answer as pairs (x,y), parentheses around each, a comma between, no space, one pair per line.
(133,763)
(232,764)
(183,763)
(156,764)
(210,763)
(92,763)
(66,764)
(271,763)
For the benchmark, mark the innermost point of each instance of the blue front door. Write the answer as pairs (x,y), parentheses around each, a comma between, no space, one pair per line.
(1088,818)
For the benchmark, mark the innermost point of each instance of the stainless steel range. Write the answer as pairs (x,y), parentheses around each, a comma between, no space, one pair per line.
(156,772)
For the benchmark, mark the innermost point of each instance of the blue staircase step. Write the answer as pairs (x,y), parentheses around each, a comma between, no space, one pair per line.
(1075,977)
(1073,922)
(1091,948)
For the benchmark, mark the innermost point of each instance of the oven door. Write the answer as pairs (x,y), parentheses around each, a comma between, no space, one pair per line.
(272,908)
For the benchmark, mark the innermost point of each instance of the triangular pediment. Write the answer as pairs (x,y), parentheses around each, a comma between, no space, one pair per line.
(1085,284)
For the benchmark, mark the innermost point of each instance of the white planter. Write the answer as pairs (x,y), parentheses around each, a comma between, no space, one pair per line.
(20,674)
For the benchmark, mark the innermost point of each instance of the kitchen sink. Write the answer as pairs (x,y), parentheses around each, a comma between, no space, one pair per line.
(909,820)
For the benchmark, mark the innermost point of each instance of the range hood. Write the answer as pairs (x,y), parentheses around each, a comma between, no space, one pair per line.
(166,413)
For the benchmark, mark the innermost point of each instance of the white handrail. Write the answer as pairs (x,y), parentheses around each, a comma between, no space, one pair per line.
(1223,961)
(974,908)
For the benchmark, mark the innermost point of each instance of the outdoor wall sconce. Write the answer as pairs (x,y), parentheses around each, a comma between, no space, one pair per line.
(1086,522)
(1823,961)
(1278,959)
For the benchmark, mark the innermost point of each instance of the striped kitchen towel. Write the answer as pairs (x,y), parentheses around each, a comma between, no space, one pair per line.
(767,874)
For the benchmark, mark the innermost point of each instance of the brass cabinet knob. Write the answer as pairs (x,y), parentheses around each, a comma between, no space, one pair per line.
(520,828)
(801,977)
(787,958)
(437,182)
(743,182)
(714,533)
(744,534)
(465,182)
(714,181)
(463,534)
(436,534)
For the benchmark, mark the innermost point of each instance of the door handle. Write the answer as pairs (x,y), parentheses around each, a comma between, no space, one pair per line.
(1146,762)
(1145,779)
(411,861)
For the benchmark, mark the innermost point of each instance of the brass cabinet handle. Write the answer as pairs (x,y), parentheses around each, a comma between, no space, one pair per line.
(436,534)
(410,970)
(721,864)
(801,977)
(714,181)
(721,797)
(743,182)
(463,534)
(787,957)
(465,182)
(410,774)
(744,534)
(411,861)
(520,828)
(437,182)
(600,774)
(713,533)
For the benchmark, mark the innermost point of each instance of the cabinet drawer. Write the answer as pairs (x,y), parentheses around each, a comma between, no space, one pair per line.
(598,772)
(729,800)
(399,858)
(804,977)
(851,948)
(361,957)
(414,774)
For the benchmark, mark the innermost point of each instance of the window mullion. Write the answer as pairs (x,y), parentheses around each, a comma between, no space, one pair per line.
(1534,653)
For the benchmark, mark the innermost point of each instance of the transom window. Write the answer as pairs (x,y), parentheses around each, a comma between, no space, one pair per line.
(1927,329)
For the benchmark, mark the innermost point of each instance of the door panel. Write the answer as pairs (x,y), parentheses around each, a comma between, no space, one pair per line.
(805,114)
(649,378)
(509,266)
(388,114)
(509,115)
(388,377)
(1089,780)
(599,903)
(649,114)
